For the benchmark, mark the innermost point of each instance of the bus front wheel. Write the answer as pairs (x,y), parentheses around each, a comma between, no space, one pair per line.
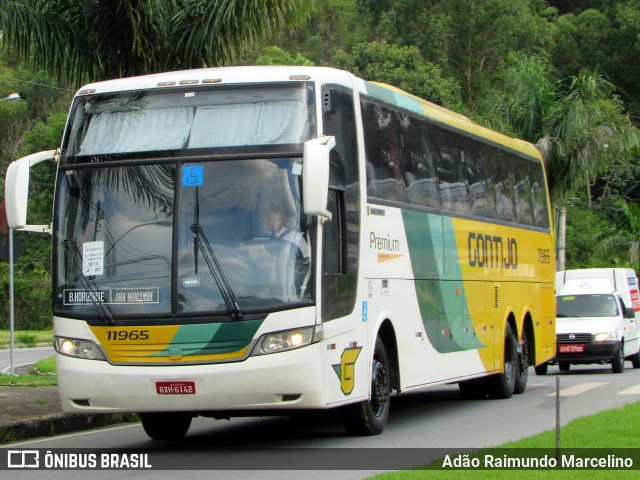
(165,426)
(370,417)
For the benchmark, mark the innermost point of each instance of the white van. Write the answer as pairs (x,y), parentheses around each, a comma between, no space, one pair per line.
(597,317)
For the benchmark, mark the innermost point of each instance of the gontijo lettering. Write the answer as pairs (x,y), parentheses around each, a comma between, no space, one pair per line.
(492,251)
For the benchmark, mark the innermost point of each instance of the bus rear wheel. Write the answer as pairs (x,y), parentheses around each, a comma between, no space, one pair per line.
(503,385)
(166,426)
(370,417)
(522,376)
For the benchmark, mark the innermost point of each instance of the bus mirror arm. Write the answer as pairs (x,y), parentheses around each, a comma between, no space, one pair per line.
(315,176)
(16,191)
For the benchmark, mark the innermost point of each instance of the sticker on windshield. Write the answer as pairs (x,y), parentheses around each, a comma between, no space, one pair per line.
(193,176)
(93,258)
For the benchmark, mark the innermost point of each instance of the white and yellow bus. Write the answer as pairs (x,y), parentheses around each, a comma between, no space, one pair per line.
(266,240)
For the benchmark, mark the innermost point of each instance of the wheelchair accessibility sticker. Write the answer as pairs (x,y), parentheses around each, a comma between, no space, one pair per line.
(193,176)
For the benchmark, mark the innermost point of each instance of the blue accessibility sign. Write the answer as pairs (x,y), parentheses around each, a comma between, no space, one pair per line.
(193,175)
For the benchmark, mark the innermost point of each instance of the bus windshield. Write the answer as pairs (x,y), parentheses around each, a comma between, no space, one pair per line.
(148,122)
(125,245)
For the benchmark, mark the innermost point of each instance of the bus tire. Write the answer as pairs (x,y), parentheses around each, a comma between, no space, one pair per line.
(564,366)
(166,426)
(370,417)
(617,363)
(502,385)
(523,364)
(472,390)
(635,360)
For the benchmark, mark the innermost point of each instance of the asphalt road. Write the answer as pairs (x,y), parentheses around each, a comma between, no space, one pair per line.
(428,419)
(23,356)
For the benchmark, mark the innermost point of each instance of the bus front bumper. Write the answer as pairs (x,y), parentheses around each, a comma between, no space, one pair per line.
(283,381)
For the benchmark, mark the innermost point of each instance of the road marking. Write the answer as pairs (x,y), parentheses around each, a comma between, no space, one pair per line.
(576,389)
(631,391)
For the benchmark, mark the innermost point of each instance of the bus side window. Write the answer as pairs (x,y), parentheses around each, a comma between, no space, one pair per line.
(478,177)
(504,186)
(448,163)
(522,192)
(539,196)
(419,173)
(382,151)
(333,252)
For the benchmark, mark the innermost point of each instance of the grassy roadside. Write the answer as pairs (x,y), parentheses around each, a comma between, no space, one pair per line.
(42,374)
(611,429)
(25,338)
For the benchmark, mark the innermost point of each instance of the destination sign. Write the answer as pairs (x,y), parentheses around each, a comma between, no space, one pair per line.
(112,296)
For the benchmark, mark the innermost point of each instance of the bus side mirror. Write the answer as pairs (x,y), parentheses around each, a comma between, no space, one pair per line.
(315,176)
(629,312)
(16,191)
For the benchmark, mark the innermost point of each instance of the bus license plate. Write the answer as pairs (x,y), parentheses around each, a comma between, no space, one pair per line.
(572,348)
(176,388)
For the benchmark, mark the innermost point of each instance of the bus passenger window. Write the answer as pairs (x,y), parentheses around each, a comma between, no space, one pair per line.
(504,188)
(522,192)
(382,150)
(419,173)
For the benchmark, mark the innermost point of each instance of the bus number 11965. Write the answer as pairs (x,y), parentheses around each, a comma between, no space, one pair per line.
(127,335)
(544,256)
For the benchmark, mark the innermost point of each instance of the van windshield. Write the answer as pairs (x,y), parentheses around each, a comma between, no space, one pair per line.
(586,306)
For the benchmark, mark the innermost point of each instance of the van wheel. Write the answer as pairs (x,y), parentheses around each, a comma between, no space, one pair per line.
(635,360)
(370,417)
(542,368)
(502,385)
(166,426)
(617,363)
(564,366)
(523,364)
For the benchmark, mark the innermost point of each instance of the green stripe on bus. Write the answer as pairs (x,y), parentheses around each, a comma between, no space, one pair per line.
(441,298)
(219,338)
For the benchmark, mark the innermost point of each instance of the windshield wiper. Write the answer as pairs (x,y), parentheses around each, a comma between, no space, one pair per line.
(230,300)
(88,284)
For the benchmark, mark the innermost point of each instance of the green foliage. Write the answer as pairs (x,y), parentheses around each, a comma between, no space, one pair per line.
(276,56)
(472,51)
(402,67)
(334,25)
(27,339)
(46,366)
(623,241)
(41,337)
(582,222)
(94,39)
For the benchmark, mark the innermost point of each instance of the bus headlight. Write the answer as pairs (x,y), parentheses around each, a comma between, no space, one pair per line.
(288,340)
(74,347)
(605,337)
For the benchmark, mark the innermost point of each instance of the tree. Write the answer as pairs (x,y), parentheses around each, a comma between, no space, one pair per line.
(276,56)
(402,67)
(94,39)
(468,40)
(577,125)
(625,239)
